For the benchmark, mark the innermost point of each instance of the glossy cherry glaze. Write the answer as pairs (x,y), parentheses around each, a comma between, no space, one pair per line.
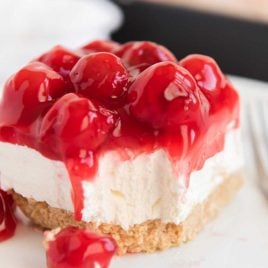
(61,60)
(141,55)
(100,46)
(79,248)
(7,218)
(76,127)
(183,107)
(108,77)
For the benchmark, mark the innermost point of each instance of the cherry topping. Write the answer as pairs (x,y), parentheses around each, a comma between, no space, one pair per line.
(79,248)
(75,125)
(60,59)
(205,71)
(101,76)
(164,95)
(210,79)
(141,55)
(29,93)
(7,218)
(154,103)
(100,46)
(74,128)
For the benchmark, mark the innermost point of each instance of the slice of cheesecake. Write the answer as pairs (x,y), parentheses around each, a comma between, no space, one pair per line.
(123,139)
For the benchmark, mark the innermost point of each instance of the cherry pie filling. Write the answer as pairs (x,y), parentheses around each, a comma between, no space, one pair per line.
(7,219)
(74,247)
(74,106)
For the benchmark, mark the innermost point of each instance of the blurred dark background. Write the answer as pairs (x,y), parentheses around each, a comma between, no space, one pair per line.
(239,45)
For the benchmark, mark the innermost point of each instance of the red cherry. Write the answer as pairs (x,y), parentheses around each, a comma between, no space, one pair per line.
(100,46)
(79,248)
(29,93)
(165,95)
(141,55)
(7,218)
(209,78)
(206,72)
(74,125)
(101,76)
(60,59)
(122,49)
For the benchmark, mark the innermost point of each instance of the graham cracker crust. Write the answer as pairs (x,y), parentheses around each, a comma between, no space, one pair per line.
(149,236)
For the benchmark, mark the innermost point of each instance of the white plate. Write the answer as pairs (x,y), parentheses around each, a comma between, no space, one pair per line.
(237,238)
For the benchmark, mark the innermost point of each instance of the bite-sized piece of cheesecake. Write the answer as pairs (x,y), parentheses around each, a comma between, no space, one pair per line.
(123,139)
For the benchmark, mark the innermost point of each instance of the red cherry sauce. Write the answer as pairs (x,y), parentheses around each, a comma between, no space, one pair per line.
(132,98)
(7,218)
(79,248)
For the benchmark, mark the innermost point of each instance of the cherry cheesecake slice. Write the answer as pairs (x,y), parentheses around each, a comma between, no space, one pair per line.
(123,139)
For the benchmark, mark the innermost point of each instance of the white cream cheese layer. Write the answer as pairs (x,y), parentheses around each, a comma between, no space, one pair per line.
(123,192)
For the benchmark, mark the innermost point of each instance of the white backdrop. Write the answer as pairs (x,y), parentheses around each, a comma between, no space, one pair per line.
(29,27)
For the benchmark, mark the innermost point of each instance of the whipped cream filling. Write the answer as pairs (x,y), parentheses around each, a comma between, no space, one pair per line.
(123,192)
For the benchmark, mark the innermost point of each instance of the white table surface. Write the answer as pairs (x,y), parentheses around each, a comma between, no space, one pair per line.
(237,238)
